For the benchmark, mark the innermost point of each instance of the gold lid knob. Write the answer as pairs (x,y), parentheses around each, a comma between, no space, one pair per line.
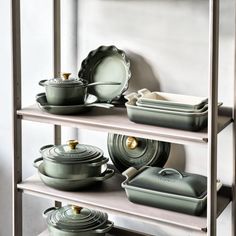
(131,143)
(66,76)
(76,209)
(72,143)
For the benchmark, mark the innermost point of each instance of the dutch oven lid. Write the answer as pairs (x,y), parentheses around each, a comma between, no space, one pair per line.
(74,218)
(72,152)
(65,81)
(126,151)
(170,180)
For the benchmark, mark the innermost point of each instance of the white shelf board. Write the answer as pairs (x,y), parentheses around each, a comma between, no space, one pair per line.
(113,232)
(116,121)
(111,198)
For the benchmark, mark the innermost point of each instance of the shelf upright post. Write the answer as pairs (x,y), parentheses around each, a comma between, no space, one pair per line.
(212,116)
(57,60)
(17,134)
(234,139)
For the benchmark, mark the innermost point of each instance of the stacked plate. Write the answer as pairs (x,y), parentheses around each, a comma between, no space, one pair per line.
(168,110)
(72,166)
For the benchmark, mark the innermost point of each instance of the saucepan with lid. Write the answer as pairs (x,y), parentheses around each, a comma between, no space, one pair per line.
(69,91)
(72,160)
(75,221)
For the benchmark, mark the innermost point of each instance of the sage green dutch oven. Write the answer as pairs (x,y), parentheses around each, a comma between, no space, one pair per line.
(76,221)
(72,160)
(73,184)
(167,188)
(68,91)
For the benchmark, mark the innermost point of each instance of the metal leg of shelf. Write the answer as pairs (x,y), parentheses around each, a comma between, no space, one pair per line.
(17,135)
(212,115)
(234,141)
(57,61)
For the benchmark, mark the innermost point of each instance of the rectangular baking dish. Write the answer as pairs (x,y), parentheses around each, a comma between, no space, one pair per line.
(170,100)
(168,201)
(173,119)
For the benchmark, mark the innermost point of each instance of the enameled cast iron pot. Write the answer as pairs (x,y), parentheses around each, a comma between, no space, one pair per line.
(68,91)
(76,221)
(72,160)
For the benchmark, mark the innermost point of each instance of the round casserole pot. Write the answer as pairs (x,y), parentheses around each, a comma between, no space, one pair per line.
(76,221)
(65,90)
(68,91)
(72,160)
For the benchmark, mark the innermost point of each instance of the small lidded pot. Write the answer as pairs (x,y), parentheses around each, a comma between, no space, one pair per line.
(76,221)
(72,160)
(65,90)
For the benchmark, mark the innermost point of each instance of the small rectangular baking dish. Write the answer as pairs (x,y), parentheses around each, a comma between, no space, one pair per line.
(170,100)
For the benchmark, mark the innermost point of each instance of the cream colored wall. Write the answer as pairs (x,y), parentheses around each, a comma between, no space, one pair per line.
(167,43)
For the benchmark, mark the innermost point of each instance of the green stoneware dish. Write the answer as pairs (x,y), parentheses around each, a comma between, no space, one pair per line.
(166,118)
(69,91)
(106,63)
(163,100)
(72,220)
(167,189)
(70,109)
(72,160)
(72,184)
(126,151)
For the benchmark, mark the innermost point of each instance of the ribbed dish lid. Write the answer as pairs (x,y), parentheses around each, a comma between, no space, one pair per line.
(65,81)
(72,152)
(170,180)
(73,218)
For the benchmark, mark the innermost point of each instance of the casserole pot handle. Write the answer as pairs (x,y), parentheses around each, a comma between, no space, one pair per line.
(107,228)
(39,95)
(44,147)
(42,82)
(36,161)
(45,213)
(103,161)
(170,170)
(106,175)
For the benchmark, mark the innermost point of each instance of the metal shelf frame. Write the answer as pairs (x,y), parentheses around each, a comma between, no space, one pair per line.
(212,114)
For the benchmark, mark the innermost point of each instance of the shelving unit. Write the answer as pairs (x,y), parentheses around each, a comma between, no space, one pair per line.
(110,197)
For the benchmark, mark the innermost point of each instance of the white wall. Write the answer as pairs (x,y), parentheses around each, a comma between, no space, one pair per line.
(167,43)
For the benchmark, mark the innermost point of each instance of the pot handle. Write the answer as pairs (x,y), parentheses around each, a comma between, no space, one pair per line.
(165,170)
(42,82)
(36,161)
(39,95)
(130,172)
(106,175)
(44,147)
(45,213)
(143,92)
(103,161)
(107,228)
